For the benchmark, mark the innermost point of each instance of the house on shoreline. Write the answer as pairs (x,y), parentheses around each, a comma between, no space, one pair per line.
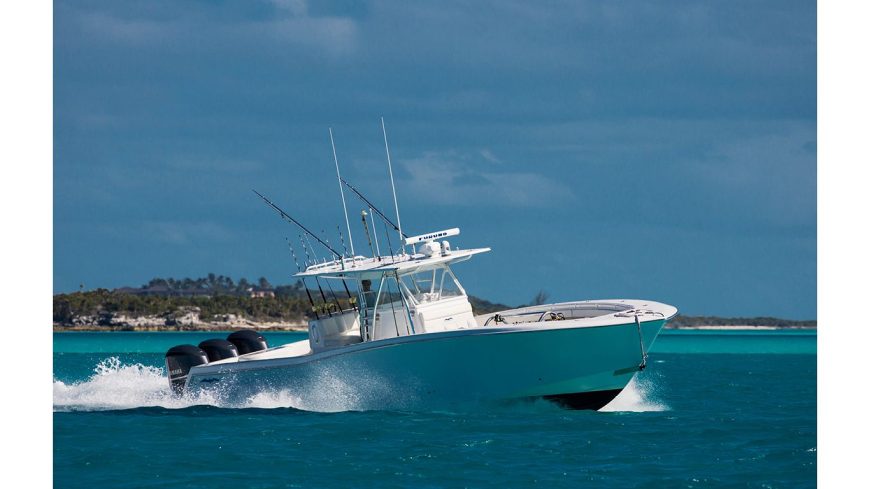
(262,292)
(163,291)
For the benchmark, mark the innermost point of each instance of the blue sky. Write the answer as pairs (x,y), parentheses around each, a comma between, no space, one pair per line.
(662,150)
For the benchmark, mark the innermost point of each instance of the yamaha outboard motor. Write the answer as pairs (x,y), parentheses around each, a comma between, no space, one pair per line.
(248,341)
(218,349)
(179,360)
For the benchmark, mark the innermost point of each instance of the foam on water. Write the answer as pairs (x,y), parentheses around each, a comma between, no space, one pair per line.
(638,396)
(330,392)
(115,385)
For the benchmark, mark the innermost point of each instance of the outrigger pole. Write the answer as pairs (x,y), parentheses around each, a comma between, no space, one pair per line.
(395,200)
(341,189)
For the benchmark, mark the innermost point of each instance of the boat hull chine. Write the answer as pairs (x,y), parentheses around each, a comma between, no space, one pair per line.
(594,400)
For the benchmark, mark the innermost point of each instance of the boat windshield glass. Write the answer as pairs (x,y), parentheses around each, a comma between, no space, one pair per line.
(431,285)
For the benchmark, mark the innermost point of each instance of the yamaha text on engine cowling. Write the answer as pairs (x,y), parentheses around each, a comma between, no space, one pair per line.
(180,359)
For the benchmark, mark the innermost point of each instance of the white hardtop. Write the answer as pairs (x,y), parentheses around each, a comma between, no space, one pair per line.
(401,264)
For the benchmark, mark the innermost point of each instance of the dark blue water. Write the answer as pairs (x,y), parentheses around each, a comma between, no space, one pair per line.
(711,410)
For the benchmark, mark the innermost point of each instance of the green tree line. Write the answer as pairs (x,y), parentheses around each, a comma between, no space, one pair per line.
(211,285)
(102,303)
(221,296)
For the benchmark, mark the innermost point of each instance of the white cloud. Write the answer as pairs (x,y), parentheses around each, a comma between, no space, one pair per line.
(293,7)
(488,155)
(335,35)
(192,28)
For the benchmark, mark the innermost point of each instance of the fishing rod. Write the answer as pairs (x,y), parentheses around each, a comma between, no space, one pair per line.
(304,284)
(288,218)
(336,256)
(323,296)
(307,256)
(314,261)
(372,206)
(344,246)
(343,281)
(329,284)
(389,242)
(316,279)
(293,254)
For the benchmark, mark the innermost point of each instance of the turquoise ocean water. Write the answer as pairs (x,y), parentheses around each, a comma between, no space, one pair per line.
(712,409)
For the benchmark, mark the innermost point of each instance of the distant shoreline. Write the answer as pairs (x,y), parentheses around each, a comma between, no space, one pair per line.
(740,327)
(217,303)
(146,326)
(303,328)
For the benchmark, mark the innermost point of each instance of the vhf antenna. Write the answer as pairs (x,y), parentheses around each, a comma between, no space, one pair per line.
(366,226)
(375,232)
(341,189)
(393,184)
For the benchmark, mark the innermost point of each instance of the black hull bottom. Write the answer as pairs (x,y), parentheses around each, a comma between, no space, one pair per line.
(584,400)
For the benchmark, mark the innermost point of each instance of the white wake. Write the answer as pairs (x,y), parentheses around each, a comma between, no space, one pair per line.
(118,386)
(638,396)
(115,385)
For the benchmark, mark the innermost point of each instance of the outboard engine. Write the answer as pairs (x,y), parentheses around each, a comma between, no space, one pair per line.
(179,360)
(248,341)
(218,349)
